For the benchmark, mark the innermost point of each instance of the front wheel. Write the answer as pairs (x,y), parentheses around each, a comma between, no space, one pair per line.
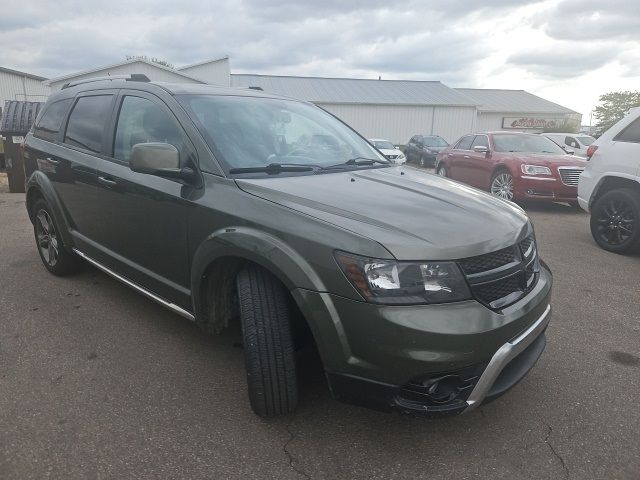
(502,185)
(442,171)
(615,221)
(268,342)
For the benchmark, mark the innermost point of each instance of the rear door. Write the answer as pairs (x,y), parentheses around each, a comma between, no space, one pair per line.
(144,218)
(478,166)
(457,157)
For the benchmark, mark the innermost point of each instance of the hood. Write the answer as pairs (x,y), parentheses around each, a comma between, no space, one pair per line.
(550,160)
(414,215)
(389,151)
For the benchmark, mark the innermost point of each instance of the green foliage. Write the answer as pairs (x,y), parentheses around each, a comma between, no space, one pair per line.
(613,106)
(567,125)
(164,63)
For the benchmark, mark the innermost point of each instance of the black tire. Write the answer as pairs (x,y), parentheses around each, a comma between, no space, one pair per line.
(442,171)
(53,253)
(615,221)
(268,343)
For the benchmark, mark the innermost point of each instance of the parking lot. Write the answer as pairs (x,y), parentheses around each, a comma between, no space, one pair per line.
(100,382)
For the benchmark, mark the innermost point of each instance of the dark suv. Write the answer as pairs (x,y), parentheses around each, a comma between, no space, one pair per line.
(423,149)
(224,205)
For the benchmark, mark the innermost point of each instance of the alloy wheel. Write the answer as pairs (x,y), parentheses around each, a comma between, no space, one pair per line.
(502,186)
(442,172)
(47,238)
(615,222)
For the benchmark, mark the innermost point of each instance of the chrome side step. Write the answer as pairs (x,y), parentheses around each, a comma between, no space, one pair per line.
(171,306)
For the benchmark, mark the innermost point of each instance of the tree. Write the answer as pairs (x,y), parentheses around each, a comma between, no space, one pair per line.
(613,106)
(164,63)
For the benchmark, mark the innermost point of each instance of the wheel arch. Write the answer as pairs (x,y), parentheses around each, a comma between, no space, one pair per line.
(220,257)
(39,187)
(612,182)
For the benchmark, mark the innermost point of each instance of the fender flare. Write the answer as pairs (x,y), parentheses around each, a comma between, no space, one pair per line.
(40,183)
(256,246)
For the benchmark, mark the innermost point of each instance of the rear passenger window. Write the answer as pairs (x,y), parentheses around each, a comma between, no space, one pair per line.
(49,124)
(631,133)
(87,122)
(465,143)
(142,121)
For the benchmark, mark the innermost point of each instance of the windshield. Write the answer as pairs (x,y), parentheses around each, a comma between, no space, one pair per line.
(384,145)
(246,132)
(586,140)
(526,143)
(434,142)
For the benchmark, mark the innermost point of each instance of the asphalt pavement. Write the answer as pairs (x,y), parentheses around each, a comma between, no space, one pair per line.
(97,381)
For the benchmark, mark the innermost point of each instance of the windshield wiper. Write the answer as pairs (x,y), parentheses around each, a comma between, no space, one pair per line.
(357,161)
(276,168)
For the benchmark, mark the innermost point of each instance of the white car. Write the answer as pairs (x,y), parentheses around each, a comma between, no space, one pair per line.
(609,186)
(389,150)
(577,142)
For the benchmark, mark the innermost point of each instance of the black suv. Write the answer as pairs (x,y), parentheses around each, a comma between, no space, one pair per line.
(232,205)
(422,149)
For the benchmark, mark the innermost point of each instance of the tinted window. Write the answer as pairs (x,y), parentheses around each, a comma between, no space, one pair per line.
(435,141)
(143,121)
(631,133)
(523,142)
(49,124)
(586,140)
(87,122)
(465,143)
(571,142)
(480,141)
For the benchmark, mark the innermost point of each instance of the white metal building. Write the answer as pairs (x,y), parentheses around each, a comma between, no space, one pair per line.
(391,109)
(516,110)
(15,85)
(214,72)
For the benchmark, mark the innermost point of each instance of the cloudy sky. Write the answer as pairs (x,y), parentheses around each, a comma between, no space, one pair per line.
(568,51)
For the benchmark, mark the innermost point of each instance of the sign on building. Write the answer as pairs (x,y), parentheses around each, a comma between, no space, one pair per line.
(529,122)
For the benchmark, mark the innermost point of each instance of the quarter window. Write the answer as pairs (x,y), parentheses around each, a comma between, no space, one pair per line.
(480,141)
(142,121)
(87,122)
(49,124)
(465,143)
(631,133)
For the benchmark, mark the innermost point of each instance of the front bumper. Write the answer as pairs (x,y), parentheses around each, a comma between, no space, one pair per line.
(387,357)
(544,188)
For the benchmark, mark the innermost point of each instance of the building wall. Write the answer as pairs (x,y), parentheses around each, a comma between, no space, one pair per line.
(493,121)
(154,74)
(213,73)
(13,86)
(398,123)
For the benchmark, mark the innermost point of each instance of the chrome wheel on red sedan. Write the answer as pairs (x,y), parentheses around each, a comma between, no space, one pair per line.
(502,185)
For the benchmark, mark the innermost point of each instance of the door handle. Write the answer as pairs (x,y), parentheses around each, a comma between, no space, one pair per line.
(109,182)
(52,161)
(450,154)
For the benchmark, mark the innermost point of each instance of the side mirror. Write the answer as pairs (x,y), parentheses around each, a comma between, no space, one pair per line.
(161,159)
(153,157)
(480,149)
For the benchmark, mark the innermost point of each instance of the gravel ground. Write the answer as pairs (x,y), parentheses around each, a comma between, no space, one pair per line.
(99,382)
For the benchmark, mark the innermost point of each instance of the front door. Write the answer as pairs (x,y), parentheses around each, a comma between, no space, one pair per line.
(144,218)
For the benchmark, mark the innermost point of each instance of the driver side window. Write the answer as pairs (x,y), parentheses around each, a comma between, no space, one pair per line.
(142,121)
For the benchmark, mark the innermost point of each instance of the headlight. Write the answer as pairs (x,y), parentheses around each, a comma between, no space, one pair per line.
(535,170)
(429,151)
(401,283)
(401,156)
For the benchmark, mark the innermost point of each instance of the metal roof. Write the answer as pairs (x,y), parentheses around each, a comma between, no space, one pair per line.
(351,90)
(22,74)
(516,101)
(126,62)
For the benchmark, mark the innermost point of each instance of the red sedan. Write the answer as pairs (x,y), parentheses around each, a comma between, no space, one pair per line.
(513,166)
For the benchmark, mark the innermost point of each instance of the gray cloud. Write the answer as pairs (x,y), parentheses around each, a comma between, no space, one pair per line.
(563,61)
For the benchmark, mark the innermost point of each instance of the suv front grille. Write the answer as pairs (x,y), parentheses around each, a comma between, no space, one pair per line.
(501,278)
(570,175)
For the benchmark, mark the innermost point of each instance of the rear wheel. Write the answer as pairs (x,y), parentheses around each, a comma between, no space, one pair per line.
(52,252)
(502,185)
(269,351)
(615,221)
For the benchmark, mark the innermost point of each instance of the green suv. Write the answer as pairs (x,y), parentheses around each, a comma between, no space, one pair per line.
(227,205)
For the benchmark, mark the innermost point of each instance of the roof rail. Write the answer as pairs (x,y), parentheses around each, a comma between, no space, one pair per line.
(134,77)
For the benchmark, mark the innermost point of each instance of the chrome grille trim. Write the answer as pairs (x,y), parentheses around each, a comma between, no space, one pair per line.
(570,175)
